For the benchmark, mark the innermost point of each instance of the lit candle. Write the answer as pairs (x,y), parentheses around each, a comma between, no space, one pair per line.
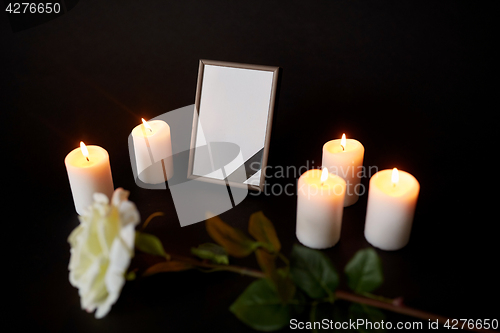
(344,157)
(153,151)
(320,204)
(88,172)
(392,198)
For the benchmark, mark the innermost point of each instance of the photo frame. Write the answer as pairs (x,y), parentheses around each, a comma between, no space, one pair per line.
(232,123)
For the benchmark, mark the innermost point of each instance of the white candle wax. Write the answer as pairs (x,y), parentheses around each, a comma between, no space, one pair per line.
(390,210)
(345,161)
(320,205)
(153,151)
(88,176)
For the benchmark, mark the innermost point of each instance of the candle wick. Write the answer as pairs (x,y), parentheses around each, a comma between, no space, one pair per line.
(150,130)
(343,149)
(87,159)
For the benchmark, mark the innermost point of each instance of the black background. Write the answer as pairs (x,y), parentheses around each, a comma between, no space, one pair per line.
(410,80)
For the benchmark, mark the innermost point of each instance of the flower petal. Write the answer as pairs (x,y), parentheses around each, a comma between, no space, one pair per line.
(101,198)
(127,234)
(119,195)
(129,213)
(101,250)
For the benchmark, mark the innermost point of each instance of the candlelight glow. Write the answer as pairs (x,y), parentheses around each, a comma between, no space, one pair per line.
(84,149)
(395,176)
(147,125)
(324,174)
(343,141)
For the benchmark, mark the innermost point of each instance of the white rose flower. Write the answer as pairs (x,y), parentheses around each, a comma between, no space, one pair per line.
(101,249)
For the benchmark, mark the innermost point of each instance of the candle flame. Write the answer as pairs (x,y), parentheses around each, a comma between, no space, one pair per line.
(324,175)
(395,176)
(84,149)
(146,125)
(343,141)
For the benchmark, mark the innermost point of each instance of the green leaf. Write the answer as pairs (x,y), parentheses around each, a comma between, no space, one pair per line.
(260,307)
(284,286)
(313,272)
(167,266)
(263,230)
(267,261)
(149,244)
(236,243)
(212,252)
(281,281)
(364,271)
(368,314)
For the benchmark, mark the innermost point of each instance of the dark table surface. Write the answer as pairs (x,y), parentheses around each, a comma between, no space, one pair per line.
(411,80)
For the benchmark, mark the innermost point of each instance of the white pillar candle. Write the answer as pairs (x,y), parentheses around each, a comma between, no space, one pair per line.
(320,204)
(153,151)
(344,158)
(392,198)
(88,172)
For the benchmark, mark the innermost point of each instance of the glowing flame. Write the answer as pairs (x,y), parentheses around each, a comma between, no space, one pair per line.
(343,141)
(84,149)
(147,125)
(395,176)
(324,174)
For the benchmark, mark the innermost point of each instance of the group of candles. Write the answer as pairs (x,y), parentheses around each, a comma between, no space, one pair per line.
(323,194)
(89,170)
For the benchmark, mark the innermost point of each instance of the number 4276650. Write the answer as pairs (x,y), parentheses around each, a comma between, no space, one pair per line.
(456,324)
(28,7)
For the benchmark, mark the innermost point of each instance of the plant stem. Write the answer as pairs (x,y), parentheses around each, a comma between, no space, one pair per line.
(399,309)
(152,216)
(372,300)
(216,267)
(377,297)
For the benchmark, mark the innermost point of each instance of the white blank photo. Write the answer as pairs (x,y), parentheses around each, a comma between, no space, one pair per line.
(234,108)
